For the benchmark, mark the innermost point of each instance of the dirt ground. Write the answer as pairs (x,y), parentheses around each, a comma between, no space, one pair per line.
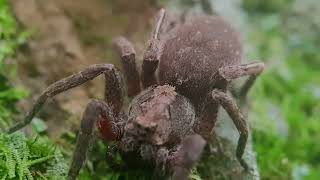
(68,36)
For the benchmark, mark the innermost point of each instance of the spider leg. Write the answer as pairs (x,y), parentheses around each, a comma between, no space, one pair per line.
(113,91)
(152,53)
(128,60)
(94,111)
(224,76)
(249,82)
(186,156)
(234,112)
(232,72)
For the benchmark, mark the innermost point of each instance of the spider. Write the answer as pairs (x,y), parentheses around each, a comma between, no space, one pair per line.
(170,119)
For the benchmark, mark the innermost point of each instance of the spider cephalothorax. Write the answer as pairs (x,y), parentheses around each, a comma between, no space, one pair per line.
(168,122)
(158,120)
(160,116)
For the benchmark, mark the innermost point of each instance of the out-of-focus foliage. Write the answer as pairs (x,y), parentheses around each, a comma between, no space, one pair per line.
(265,6)
(9,35)
(8,97)
(20,157)
(286,109)
(10,38)
(23,158)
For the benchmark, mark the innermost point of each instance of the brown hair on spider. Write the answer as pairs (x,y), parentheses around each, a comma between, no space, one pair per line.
(194,51)
(168,122)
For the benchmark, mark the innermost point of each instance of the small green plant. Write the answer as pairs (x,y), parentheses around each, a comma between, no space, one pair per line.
(24,158)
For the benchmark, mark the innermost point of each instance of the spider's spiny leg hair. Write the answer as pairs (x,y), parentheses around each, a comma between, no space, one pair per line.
(238,119)
(94,110)
(128,59)
(228,73)
(73,81)
(152,53)
(156,32)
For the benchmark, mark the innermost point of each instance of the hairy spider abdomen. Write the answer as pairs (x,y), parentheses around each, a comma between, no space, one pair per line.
(194,51)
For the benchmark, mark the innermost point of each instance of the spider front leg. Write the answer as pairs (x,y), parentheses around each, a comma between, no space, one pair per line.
(186,156)
(128,60)
(113,91)
(110,125)
(232,72)
(151,55)
(234,112)
(249,82)
(219,97)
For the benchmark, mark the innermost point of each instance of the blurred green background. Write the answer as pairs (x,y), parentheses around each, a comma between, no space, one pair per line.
(285,101)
